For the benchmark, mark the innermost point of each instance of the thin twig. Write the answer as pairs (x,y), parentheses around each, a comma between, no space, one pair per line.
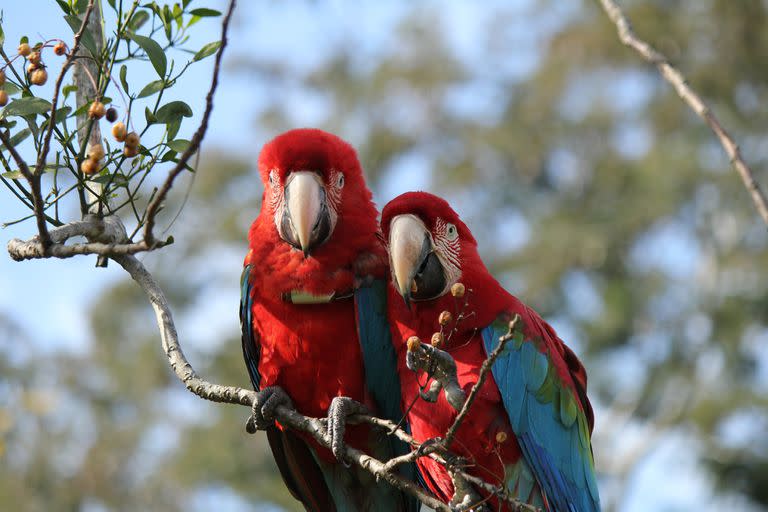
(197,138)
(34,185)
(691,98)
(484,369)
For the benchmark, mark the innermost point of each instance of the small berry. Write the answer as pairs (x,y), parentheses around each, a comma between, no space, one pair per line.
(119,132)
(38,77)
(2,77)
(34,58)
(501,437)
(60,48)
(96,110)
(95,152)
(31,68)
(438,339)
(89,166)
(111,115)
(132,140)
(3,98)
(413,343)
(130,151)
(24,49)
(457,290)
(445,318)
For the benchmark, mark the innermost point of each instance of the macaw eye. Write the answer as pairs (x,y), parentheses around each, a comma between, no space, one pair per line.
(340,181)
(451,232)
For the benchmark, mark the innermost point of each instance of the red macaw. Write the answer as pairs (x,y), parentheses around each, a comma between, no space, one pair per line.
(312,314)
(530,426)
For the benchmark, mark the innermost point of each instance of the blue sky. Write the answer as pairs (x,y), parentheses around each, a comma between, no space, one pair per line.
(304,33)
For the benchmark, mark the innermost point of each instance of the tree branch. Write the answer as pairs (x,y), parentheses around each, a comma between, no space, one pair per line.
(236,395)
(689,96)
(197,138)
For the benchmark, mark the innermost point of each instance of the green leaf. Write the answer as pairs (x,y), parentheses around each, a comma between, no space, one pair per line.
(2,36)
(87,40)
(207,51)
(12,175)
(61,114)
(178,145)
(151,88)
(19,136)
(149,116)
(68,89)
(168,156)
(64,6)
(203,12)
(154,52)
(123,78)
(138,20)
(10,88)
(167,18)
(24,39)
(173,128)
(111,4)
(26,107)
(173,110)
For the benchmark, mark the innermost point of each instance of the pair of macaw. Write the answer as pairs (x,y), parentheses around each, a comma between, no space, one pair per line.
(325,327)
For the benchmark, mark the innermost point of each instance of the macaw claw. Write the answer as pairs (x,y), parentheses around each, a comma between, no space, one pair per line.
(263,408)
(340,409)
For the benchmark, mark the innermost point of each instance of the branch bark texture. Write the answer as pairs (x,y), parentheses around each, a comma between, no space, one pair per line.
(691,98)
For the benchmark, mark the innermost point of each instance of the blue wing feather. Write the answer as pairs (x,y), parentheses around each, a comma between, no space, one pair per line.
(380,362)
(550,438)
(251,347)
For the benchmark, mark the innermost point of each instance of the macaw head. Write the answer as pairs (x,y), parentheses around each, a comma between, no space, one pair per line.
(312,180)
(430,248)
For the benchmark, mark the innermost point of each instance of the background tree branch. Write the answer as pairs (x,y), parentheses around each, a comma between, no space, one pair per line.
(672,75)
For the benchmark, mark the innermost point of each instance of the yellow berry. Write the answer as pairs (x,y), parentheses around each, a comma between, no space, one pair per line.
(132,140)
(24,49)
(130,151)
(89,166)
(59,48)
(119,131)
(96,110)
(2,77)
(95,152)
(457,290)
(413,343)
(3,98)
(438,339)
(445,318)
(501,437)
(31,68)
(34,58)
(38,77)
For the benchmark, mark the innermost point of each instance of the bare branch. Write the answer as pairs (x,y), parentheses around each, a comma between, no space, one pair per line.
(484,369)
(197,138)
(37,195)
(689,96)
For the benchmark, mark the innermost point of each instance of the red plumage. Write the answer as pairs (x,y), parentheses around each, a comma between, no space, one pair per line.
(311,351)
(476,439)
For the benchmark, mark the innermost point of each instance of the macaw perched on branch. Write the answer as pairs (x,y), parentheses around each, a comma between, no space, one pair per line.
(530,425)
(313,318)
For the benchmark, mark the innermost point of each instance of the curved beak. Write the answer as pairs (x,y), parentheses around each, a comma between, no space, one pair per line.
(417,271)
(306,222)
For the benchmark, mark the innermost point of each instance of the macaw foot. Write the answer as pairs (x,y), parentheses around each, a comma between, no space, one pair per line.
(440,366)
(263,408)
(465,498)
(340,409)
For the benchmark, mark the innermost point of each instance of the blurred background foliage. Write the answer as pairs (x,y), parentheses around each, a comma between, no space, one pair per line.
(596,197)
